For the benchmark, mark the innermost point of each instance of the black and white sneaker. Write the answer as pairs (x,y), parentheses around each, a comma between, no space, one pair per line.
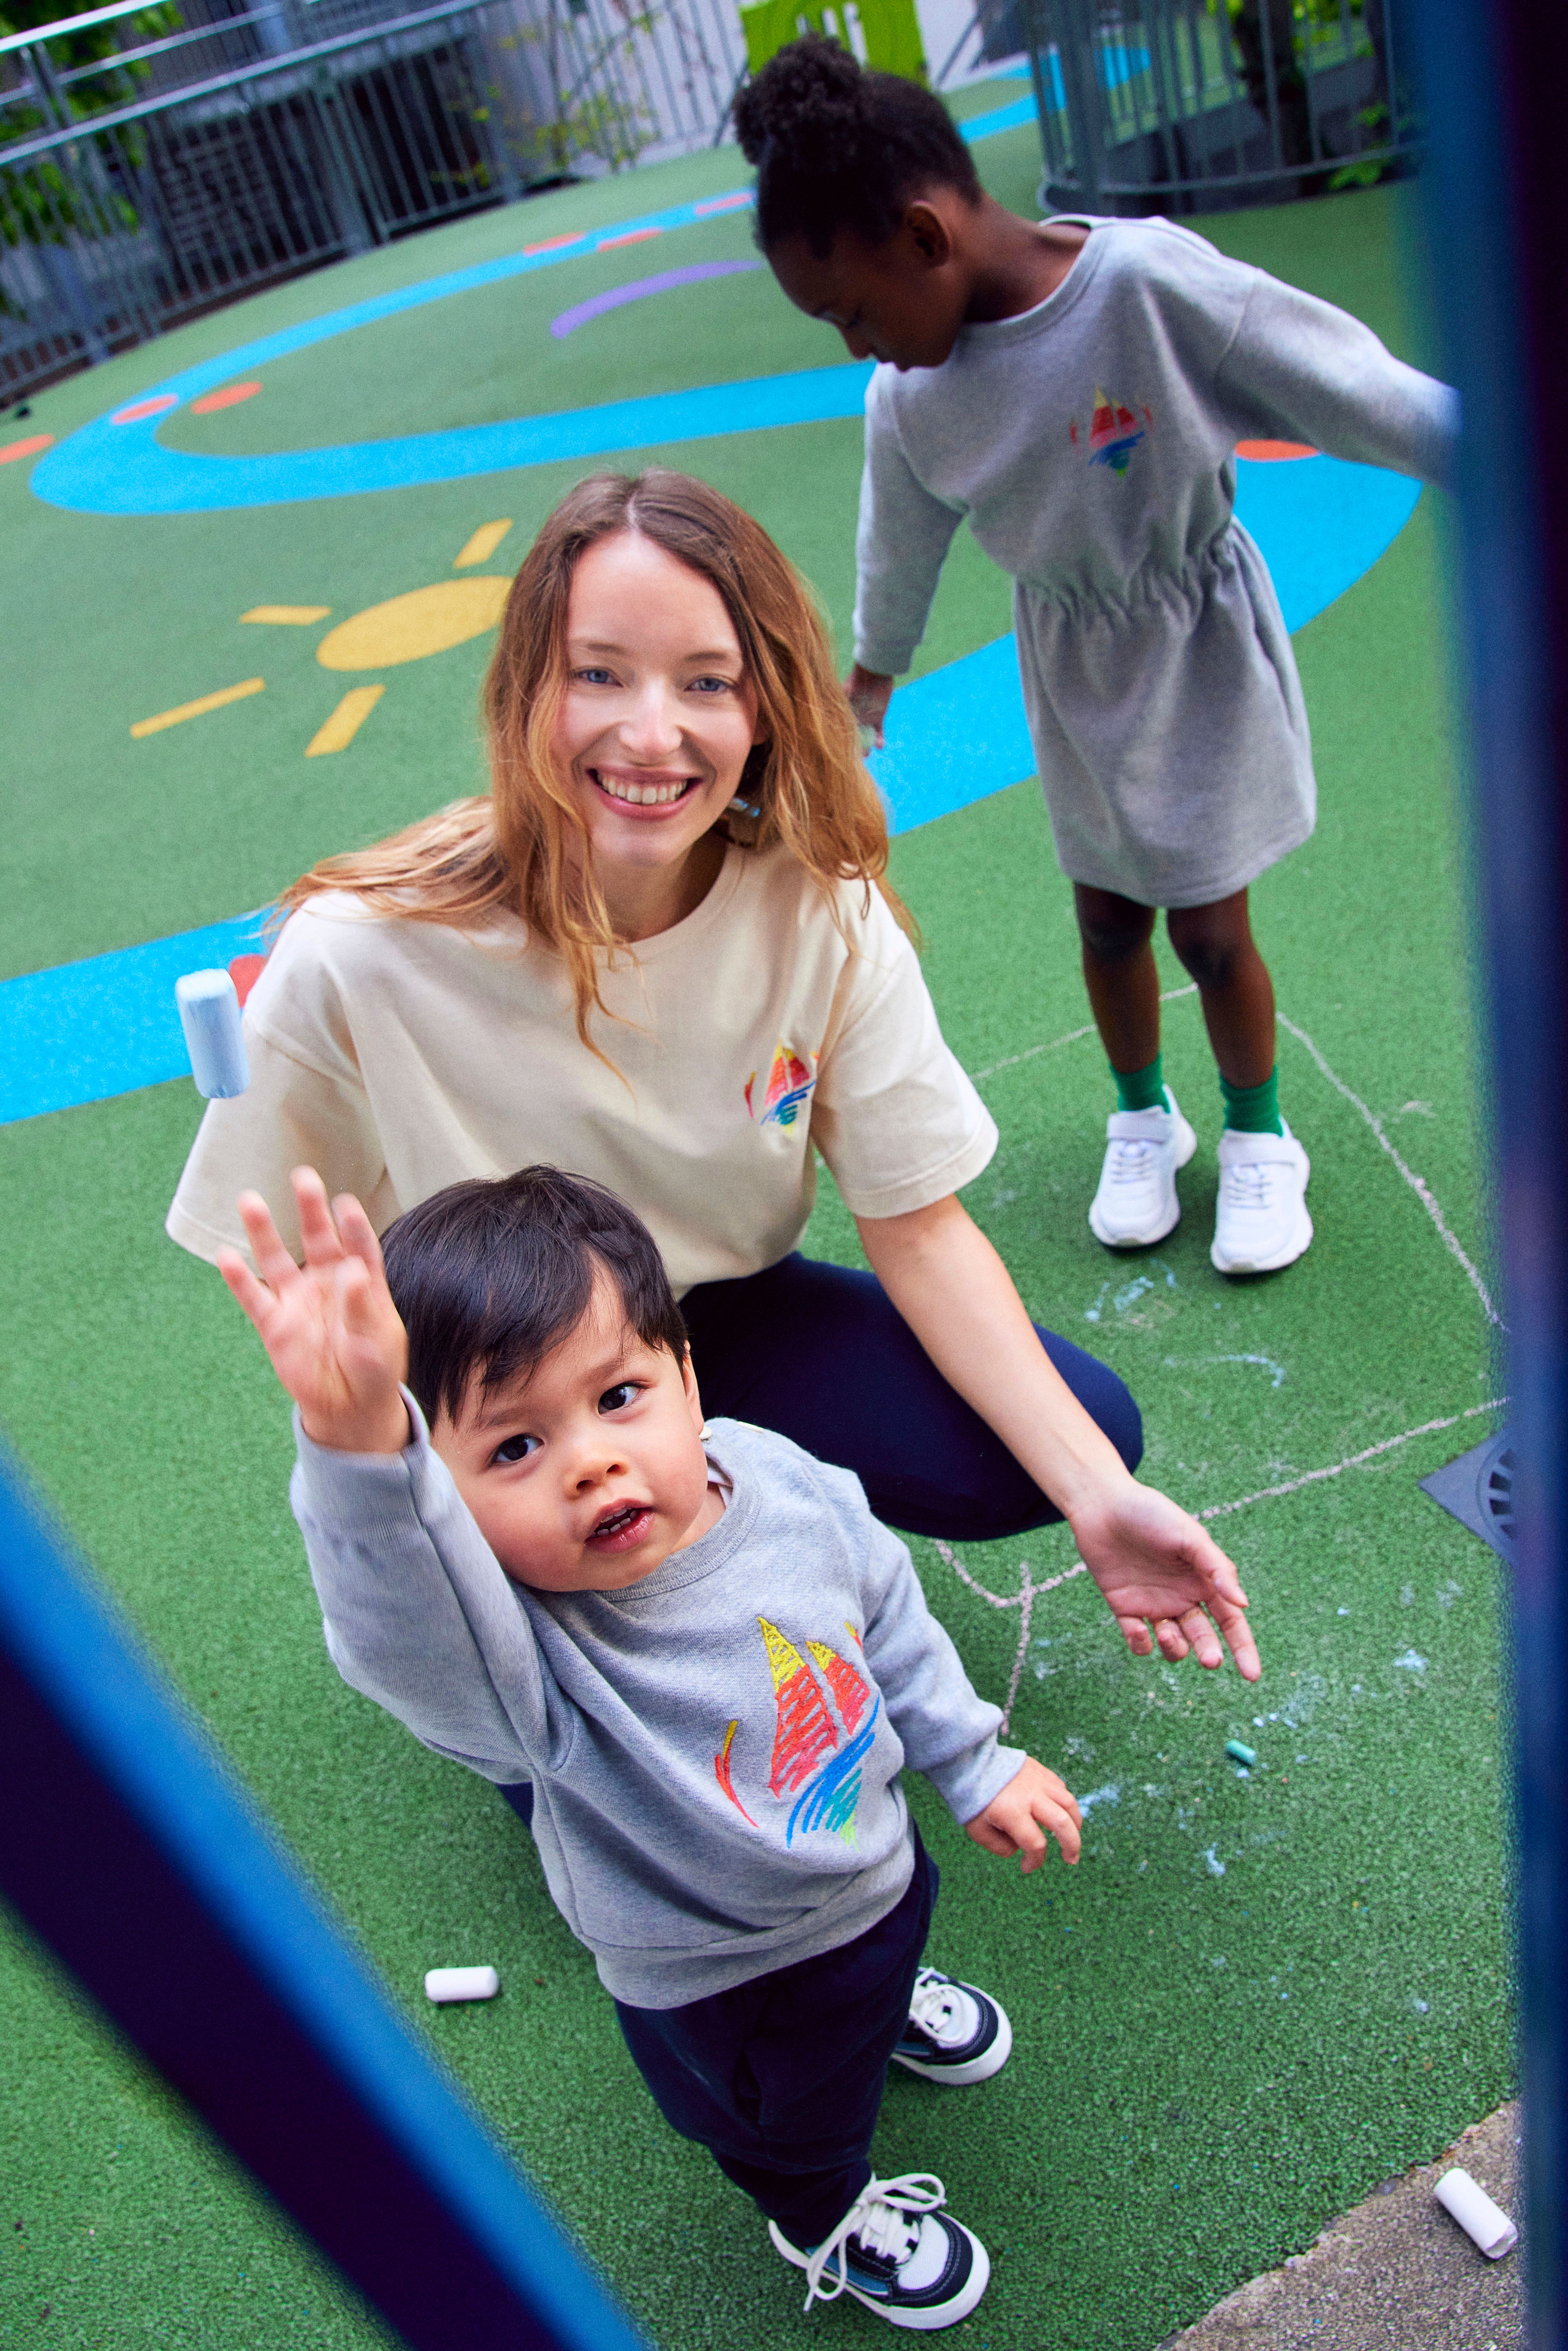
(899,2253)
(957,2033)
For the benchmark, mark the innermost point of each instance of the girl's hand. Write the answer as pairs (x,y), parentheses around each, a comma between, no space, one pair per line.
(869,693)
(329,1326)
(1033,1807)
(1157,1566)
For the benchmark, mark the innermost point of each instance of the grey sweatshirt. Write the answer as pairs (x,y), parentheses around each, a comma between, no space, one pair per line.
(713,1751)
(1091,443)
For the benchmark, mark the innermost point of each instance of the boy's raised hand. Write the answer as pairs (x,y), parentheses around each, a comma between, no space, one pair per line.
(329,1327)
(1033,1807)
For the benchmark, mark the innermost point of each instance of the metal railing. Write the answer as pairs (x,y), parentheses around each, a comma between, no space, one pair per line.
(1198,105)
(157,162)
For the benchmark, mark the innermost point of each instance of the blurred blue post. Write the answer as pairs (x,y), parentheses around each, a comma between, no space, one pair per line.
(128,1850)
(1495,76)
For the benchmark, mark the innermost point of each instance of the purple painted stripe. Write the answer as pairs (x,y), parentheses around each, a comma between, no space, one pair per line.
(597,304)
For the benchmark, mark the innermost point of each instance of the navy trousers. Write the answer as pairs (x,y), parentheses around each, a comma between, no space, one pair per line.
(822,1355)
(782,2079)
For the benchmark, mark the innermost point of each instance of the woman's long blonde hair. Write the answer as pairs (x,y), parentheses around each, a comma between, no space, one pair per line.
(524,845)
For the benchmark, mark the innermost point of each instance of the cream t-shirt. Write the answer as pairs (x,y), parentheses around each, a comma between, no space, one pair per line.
(397,1057)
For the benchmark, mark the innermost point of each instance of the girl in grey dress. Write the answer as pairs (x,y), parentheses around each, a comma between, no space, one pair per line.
(1077,389)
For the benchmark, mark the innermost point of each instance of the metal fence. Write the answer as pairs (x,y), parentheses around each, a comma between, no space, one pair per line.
(156,161)
(1199,105)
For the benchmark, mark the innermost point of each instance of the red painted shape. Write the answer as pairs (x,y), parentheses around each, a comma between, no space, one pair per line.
(633,236)
(139,408)
(721,1773)
(29,448)
(805,1733)
(244,971)
(1273,453)
(554,243)
(848,1688)
(229,397)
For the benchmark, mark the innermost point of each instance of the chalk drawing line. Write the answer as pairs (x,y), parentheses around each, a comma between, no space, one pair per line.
(1417,1184)
(1028,1592)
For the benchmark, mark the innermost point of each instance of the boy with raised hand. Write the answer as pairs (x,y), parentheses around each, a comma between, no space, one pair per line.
(699,1647)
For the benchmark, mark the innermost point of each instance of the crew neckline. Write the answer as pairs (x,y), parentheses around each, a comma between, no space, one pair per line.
(726,882)
(987,333)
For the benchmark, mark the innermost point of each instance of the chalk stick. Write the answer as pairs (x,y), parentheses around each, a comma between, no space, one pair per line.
(209,1015)
(1239,1754)
(444,1984)
(1477,2215)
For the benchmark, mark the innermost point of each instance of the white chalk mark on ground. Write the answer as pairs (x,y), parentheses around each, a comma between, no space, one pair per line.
(1109,1794)
(1201,1363)
(1352,1461)
(1028,1591)
(1422,1191)
(1417,1184)
(1073,1037)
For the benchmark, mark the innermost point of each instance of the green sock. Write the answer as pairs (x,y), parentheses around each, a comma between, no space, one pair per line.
(1142,1089)
(1253,1110)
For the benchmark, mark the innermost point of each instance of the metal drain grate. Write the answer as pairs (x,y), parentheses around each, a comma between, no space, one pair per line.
(1477,1490)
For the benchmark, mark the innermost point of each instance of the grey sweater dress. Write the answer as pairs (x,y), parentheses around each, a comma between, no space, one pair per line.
(1090,441)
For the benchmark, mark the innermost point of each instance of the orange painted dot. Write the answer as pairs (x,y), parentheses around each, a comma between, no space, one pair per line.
(13,450)
(1273,453)
(139,408)
(633,236)
(554,243)
(244,971)
(229,397)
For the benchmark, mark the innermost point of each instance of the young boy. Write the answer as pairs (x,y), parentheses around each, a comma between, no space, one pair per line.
(699,1647)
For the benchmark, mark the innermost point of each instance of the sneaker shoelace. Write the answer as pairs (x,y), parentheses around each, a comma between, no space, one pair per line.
(935,2007)
(1130,1161)
(886,2218)
(1249,1184)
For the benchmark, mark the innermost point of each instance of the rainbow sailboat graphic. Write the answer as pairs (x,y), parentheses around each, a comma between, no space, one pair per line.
(805,1731)
(790,1084)
(1114,433)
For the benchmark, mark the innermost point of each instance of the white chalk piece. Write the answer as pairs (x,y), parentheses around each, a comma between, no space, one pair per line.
(209,1015)
(1475,2213)
(445,1984)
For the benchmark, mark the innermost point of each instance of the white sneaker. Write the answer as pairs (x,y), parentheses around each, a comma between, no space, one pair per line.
(896,2252)
(957,2033)
(1136,1204)
(1261,1221)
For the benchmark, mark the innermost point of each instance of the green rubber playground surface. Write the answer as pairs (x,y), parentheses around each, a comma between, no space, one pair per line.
(1256,1997)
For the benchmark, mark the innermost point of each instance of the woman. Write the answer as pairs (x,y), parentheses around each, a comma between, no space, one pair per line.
(662,953)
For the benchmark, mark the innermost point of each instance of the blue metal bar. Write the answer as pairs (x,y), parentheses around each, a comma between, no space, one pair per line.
(131,1852)
(1492,192)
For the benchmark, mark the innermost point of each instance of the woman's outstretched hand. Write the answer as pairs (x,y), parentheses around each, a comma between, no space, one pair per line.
(1166,1580)
(329,1327)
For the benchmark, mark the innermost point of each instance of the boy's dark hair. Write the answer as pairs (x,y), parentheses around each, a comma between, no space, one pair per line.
(489,1275)
(837,147)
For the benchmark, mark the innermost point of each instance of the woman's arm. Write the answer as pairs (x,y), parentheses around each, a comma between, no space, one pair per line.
(1154,1563)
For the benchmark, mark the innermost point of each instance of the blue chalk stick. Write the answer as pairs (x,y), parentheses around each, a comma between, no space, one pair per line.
(209,1015)
(1239,1754)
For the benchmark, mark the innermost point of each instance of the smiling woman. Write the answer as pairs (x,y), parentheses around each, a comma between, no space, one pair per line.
(662,953)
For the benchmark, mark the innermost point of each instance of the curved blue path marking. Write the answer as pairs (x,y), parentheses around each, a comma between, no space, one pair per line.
(124,469)
(638,289)
(86,1031)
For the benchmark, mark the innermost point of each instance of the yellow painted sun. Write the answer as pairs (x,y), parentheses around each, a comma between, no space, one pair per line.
(404,629)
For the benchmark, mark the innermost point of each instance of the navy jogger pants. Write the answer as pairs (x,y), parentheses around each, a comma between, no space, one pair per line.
(782,2079)
(822,1355)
